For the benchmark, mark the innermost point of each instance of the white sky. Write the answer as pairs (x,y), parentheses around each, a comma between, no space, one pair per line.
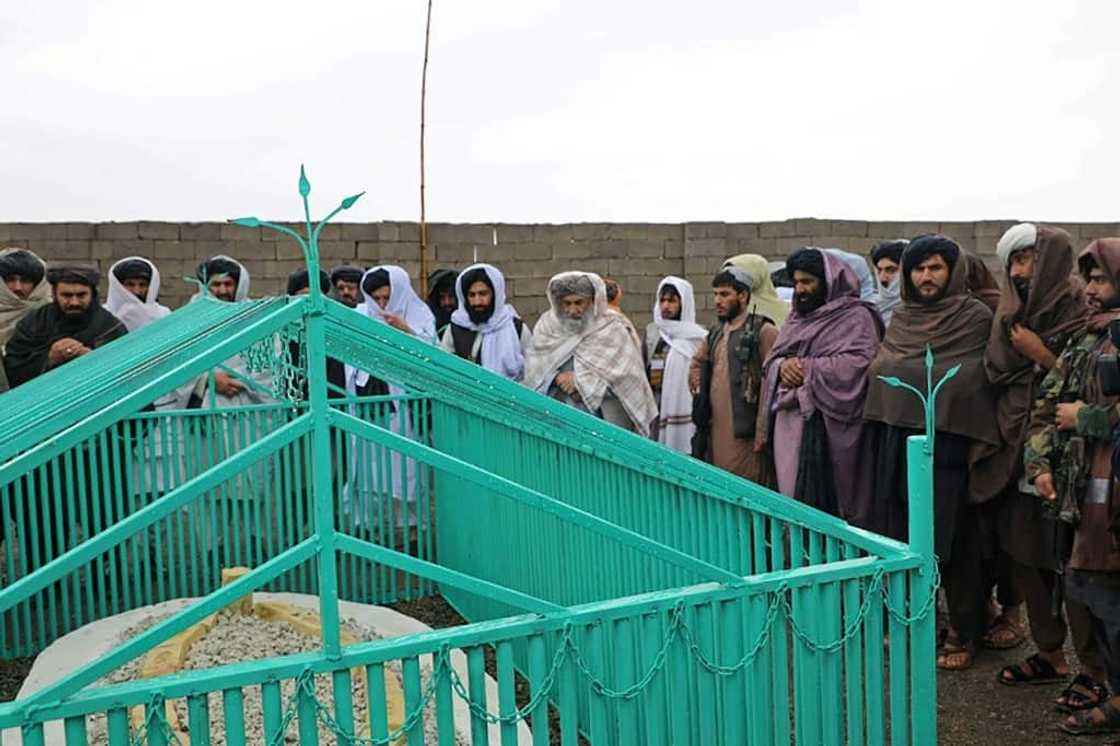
(562,110)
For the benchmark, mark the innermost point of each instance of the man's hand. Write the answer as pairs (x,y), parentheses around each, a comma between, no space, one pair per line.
(791,373)
(65,349)
(567,383)
(694,381)
(397,323)
(1066,416)
(1044,483)
(1030,346)
(227,385)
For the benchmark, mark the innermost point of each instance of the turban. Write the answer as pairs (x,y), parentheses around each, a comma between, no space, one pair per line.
(889,250)
(736,277)
(808,260)
(22,263)
(132,269)
(217,267)
(923,246)
(346,273)
(374,280)
(74,275)
(298,280)
(575,283)
(471,276)
(1016,238)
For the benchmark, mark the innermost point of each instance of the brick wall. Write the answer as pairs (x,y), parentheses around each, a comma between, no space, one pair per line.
(636,254)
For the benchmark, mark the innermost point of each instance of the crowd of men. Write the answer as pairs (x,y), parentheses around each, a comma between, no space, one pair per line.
(785,389)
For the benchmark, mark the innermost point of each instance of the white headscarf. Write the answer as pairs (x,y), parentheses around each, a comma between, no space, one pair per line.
(242,291)
(866,277)
(403,302)
(675,427)
(133,312)
(500,345)
(1016,238)
(13,308)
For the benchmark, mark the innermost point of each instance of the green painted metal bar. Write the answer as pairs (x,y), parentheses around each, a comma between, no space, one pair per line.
(706,708)
(923,632)
(873,677)
(155,713)
(507,699)
(655,704)
(440,574)
(60,567)
(253,672)
(628,725)
(599,725)
(381,350)
(306,715)
(899,656)
(445,712)
(515,491)
(117,727)
(853,657)
(52,439)
(476,682)
(375,696)
(538,670)
(198,716)
(343,700)
(169,627)
(734,700)
(74,729)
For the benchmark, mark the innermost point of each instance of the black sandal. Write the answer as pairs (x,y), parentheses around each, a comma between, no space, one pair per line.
(1034,670)
(1084,725)
(1076,701)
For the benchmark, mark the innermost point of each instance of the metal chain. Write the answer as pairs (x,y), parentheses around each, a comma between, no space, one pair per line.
(156,710)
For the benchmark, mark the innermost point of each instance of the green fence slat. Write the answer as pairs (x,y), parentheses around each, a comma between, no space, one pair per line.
(75,731)
(567,701)
(155,714)
(117,726)
(378,717)
(873,667)
(853,657)
(343,700)
(307,716)
(762,709)
(600,725)
(707,706)
(198,716)
(507,698)
(412,685)
(233,712)
(445,713)
(654,702)
(734,702)
(33,734)
(476,677)
(626,674)
(899,655)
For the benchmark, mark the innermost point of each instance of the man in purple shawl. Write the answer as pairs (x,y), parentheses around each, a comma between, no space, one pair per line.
(815,382)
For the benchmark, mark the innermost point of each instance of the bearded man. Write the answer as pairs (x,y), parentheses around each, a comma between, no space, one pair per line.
(1039,312)
(1070,458)
(484,328)
(726,381)
(134,293)
(582,354)
(346,284)
(939,314)
(441,297)
(670,342)
(23,288)
(73,325)
(814,383)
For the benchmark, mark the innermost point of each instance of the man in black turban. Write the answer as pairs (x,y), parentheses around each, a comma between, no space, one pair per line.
(441,297)
(346,280)
(222,277)
(71,326)
(299,282)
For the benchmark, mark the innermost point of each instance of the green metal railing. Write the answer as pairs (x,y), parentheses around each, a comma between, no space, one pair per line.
(623,593)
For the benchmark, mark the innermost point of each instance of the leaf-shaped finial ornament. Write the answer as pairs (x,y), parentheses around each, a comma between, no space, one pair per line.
(304,184)
(349,201)
(952,372)
(891,381)
(249,222)
(929,357)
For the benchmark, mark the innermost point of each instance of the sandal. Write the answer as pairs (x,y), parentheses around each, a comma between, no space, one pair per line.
(1073,700)
(1083,724)
(955,656)
(1034,670)
(1004,634)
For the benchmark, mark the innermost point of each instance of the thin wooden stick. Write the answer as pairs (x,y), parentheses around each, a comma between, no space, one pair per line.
(423,107)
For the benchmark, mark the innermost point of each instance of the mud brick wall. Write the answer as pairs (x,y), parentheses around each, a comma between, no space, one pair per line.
(638,255)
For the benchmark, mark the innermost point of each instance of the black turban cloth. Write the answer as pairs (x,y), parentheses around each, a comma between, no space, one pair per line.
(807,260)
(346,273)
(74,275)
(217,267)
(889,250)
(375,280)
(133,269)
(24,264)
(922,247)
(299,280)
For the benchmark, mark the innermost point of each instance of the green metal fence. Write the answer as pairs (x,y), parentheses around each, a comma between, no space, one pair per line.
(623,592)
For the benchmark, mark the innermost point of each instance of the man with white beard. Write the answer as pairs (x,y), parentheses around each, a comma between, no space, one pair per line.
(583,355)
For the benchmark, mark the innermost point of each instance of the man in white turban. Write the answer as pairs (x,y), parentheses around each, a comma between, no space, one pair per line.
(134,293)
(584,356)
(670,342)
(484,328)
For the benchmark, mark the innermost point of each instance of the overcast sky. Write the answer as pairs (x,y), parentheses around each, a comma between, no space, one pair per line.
(562,110)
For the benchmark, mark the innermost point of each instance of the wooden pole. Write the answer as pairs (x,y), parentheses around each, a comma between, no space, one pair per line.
(423,107)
